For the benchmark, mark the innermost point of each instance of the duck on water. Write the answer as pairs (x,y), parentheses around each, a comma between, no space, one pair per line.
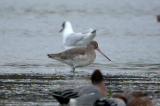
(96,94)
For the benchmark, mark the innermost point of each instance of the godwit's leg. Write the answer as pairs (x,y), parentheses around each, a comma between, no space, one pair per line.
(74,76)
(73,69)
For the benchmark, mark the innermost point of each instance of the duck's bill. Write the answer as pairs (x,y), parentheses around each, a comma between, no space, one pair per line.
(103,54)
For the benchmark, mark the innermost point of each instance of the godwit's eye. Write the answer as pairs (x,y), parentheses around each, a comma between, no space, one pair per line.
(95,45)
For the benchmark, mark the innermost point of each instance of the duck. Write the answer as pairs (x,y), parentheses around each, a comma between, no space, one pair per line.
(85,95)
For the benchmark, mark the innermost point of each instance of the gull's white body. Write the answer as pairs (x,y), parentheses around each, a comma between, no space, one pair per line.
(72,39)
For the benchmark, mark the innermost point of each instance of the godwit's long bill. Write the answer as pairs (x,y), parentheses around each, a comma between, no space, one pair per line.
(103,54)
(78,57)
(72,39)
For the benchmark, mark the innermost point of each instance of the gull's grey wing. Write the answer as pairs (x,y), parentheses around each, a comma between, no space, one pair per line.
(74,38)
(80,38)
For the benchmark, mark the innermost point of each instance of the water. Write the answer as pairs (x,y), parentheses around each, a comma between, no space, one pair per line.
(127,31)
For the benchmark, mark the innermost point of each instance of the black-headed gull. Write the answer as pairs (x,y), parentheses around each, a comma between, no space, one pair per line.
(72,39)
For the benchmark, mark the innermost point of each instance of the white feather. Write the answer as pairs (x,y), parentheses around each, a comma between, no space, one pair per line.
(72,39)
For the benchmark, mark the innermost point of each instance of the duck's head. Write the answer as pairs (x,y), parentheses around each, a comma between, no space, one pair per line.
(98,81)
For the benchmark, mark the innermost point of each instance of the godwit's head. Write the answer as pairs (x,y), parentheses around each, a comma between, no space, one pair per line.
(66,27)
(94,44)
